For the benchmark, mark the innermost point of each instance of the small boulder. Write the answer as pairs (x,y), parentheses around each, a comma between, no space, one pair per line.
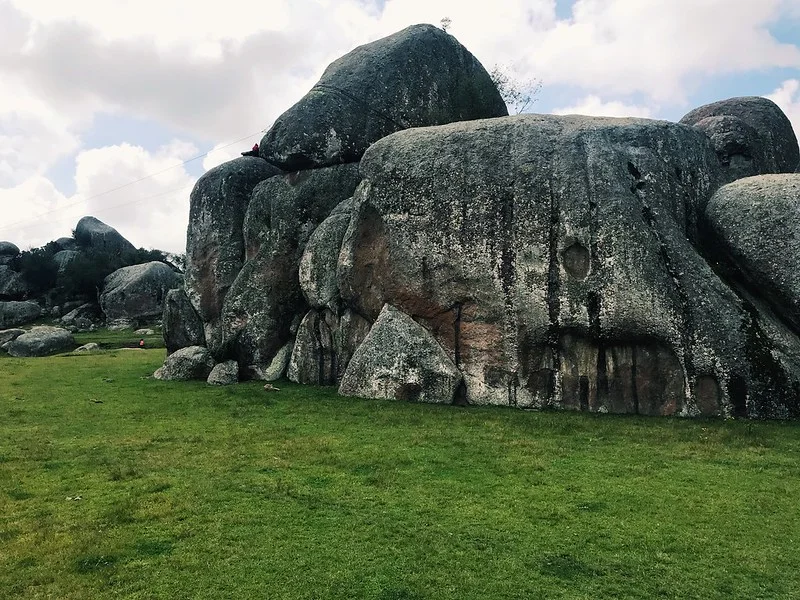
(42,341)
(416,77)
(93,233)
(224,373)
(7,252)
(194,362)
(8,335)
(90,347)
(138,291)
(181,325)
(400,359)
(18,313)
(88,312)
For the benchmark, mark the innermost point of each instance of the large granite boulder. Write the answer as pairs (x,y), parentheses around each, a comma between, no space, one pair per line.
(92,233)
(266,296)
(12,284)
(416,77)
(18,313)
(324,345)
(193,362)
(215,240)
(400,359)
(751,135)
(62,258)
(181,326)
(7,252)
(138,291)
(755,228)
(550,257)
(66,243)
(42,341)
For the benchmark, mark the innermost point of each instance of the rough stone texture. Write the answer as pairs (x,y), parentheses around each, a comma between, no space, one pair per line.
(8,335)
(194,362)
(416,77)
(317,271)
(138,291)
(266,296)
(18,313)
(754,222)
(93,233)
(181,326)
(400,359)
(42,341)
(90,347)
(67,243)
(549,256)
(324,346)
(751,136)
(224,373)
(277,368)
(63,258)
(214,239)
(12,284)
(83,316)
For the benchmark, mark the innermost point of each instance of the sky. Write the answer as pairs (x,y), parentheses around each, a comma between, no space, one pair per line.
(114,108)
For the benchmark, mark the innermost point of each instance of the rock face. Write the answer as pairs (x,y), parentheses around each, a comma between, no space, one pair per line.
(42,341)
(62,258)
(266,296)
(215,240)
(7,252)
(751,136)
(225,373)
(93,233)
(419,76)
(83,317)
(138,292)
(8,335)
(12,284)
(194,362)
(399,359)
(181,326)
(18,313)
(755,223)
(67,243)
(556,270)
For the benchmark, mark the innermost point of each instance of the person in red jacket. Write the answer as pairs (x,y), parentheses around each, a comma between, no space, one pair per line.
(253,152)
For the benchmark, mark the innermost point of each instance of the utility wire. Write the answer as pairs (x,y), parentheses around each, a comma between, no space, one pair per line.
(124,185)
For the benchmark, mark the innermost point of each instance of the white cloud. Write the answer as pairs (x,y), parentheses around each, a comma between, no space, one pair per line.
(594,106)
(787,96)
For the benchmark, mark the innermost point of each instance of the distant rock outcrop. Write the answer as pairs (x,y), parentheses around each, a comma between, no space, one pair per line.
(42,341)
(416,77)
(138,292)
(93,233)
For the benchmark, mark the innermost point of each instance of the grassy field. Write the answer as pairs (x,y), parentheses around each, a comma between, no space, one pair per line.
(116,485)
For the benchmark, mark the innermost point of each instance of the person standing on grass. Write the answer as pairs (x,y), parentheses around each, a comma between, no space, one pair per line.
(141,343)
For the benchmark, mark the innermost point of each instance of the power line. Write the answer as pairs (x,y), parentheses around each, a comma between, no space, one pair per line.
(124,185)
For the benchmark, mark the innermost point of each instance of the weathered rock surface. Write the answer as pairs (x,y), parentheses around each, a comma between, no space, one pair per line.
(224,373)
(67,243)
(181,326)
(399,359)
(138,291)
(266,296)
(751,136)
(62,258)
(556,269)
(93,233)
(755,224)
(18,313)
(12,284)
(416,77)
(83,316)
(194,362)
(8,335)
(277,368)
(324,345)
(215,240)
(42,341)
(7,252)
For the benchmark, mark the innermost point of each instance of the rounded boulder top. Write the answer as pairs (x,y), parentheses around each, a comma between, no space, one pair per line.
(8,249)
(417,77)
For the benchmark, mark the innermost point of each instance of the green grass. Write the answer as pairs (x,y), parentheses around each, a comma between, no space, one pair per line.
(116,485)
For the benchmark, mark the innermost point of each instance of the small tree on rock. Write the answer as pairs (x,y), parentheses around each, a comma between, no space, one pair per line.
(518,95)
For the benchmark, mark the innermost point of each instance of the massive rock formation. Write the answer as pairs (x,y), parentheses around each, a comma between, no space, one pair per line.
(531,261)
(215,240)
(416,77)
(138,292)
